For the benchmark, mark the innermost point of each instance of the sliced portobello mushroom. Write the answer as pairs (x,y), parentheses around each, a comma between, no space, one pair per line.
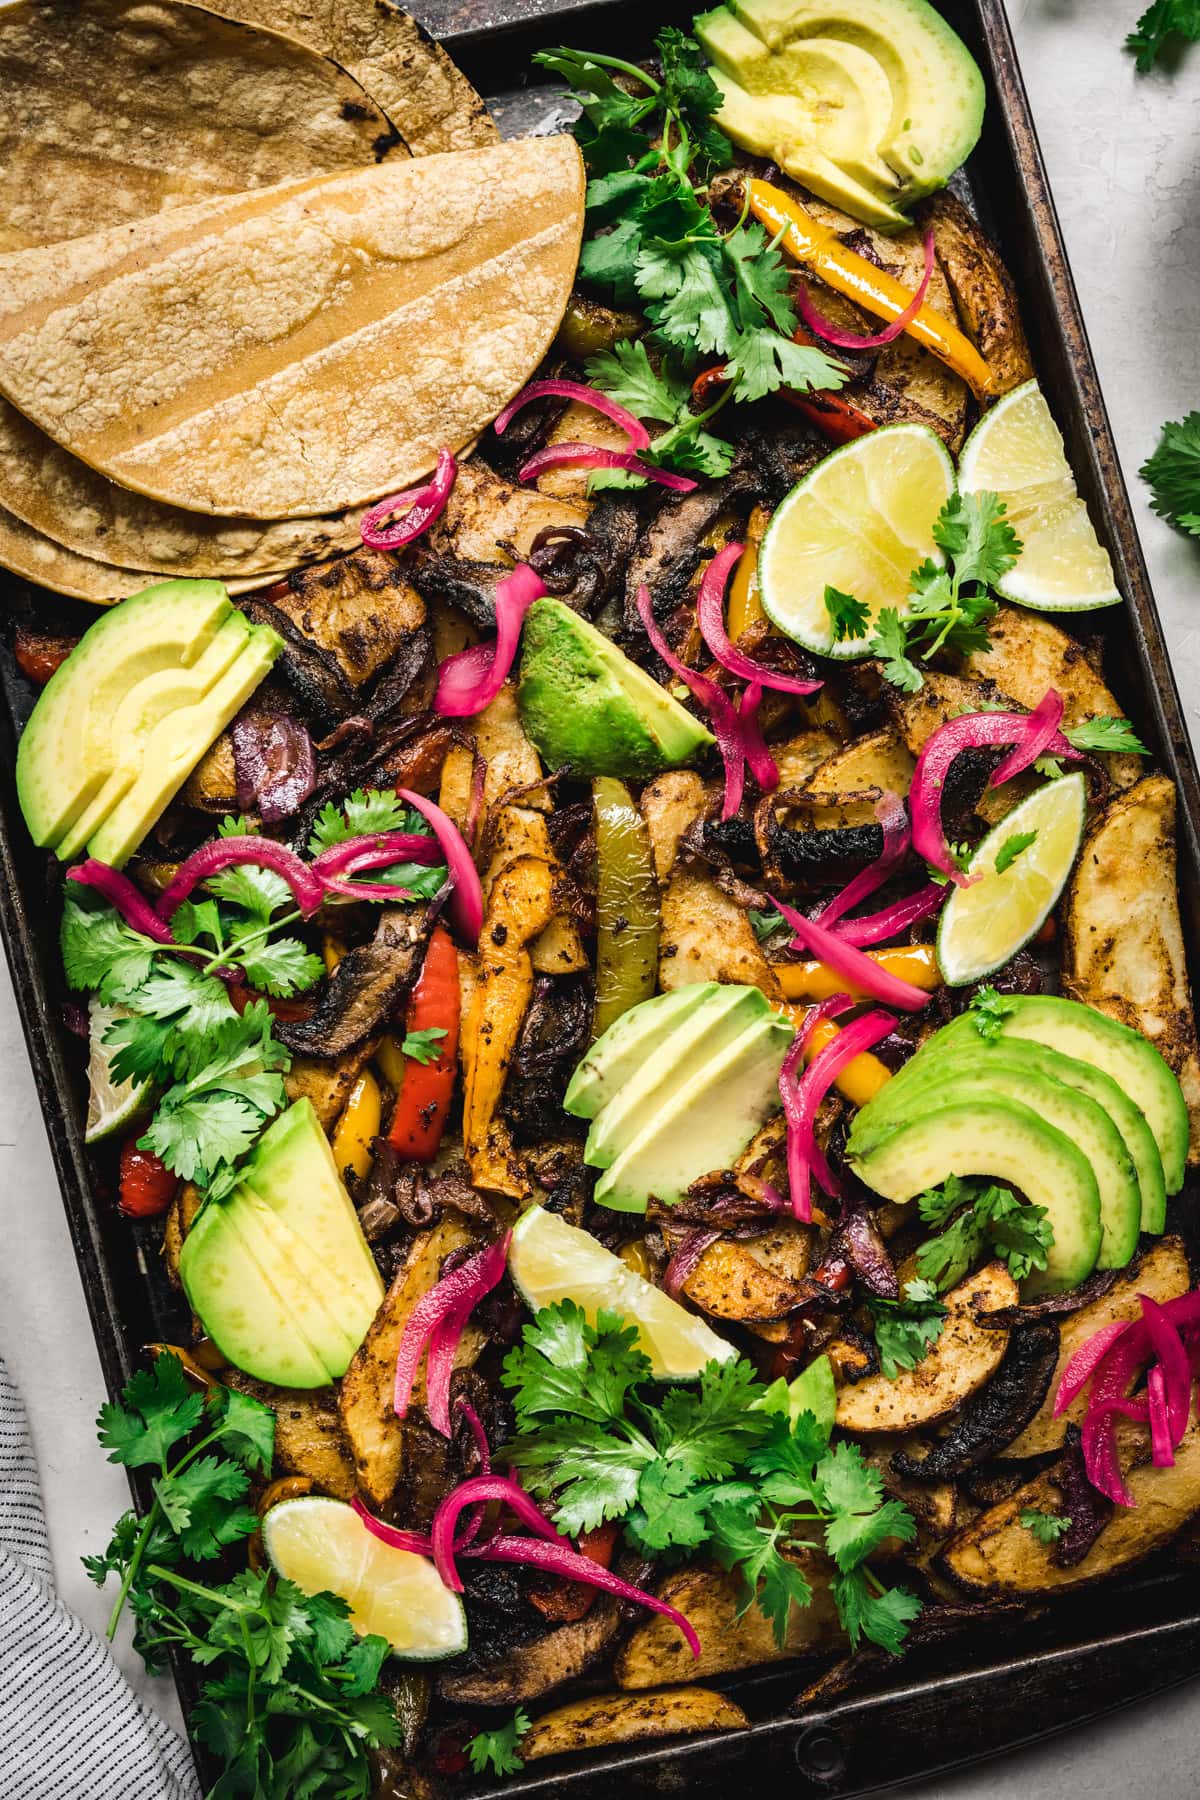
(992,1417)
(365,988)
(536,1668)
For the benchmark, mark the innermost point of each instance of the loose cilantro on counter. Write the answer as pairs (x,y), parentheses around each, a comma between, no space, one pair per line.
(1163,22)
(907,1329)
(498,1751)
(714,296)
(710,1465)
(288,1703)
(980,1218)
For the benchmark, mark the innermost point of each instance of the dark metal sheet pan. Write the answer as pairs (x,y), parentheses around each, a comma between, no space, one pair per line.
(1001,1686)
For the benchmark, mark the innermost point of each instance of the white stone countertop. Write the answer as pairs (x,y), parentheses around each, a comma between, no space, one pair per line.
(1124,159)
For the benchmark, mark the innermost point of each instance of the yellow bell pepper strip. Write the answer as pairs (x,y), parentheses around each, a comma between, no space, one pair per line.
(520,905)
(332,951)
(390,1060)
(916,963)
(627,905)
(357,1129)
(745,607)
(861,1079)
(818,247)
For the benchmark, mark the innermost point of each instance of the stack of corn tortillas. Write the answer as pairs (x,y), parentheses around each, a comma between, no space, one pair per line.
(234,305)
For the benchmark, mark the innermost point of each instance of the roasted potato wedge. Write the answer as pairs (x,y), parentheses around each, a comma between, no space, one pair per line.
(882,760)
(939,699)
(707,937)
(934,1504)
(328,1084)
(629,1719)
(1124,952)
(712,1600)
(512,761)
(521,831)
(996,1555)
(670,803)
(309,1439)
(486,516)
(178,1223)
(1163,1274)
(359,609)
(983,291)
(800,757)
(536,1668)
(375,1434)
(752,1281)
(1028,655)
(964,1357)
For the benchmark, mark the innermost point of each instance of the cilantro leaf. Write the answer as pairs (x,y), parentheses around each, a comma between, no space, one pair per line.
(227,1084)
(246,1428)
(973,530)
(1011,848)
(157,1410)
(364,813)
(890,642)
(989,1008)
(756,1551)
(989,1219)
(1106,735)
(101,953)
(882,1619)
(284,967)
(848,615)
(193,1505)
(240,825)
(907,1329)
(497,1750)
(564,1365)
(1046,1527)
(625,373)
(424,1046)
(1163,21)
(259,892)
(766,925)
(669,1515)
(592,1475)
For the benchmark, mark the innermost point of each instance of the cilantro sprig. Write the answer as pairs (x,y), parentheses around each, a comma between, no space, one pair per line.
(652,242)
(498,1751)
(907,1329)
(949,608)
(1046,1527)
(367,812)
(719,1466)
(980,1219)
(289,1705)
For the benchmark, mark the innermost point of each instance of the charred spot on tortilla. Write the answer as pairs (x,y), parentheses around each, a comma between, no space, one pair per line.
(299,350)
(107,112)
(406,72)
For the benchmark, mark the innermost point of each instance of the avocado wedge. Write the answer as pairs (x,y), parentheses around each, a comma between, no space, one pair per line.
(1014,1076)
(1092,1037)
(1009,1142)
(945,1051)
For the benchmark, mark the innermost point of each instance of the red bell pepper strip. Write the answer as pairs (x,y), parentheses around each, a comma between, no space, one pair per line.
(147,1186)
(419,1116)
(564,1602)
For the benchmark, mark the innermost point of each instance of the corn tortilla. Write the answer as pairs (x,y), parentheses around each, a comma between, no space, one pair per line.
(305,349)
(35,558)
(60,497)
(429,101)
(114,109)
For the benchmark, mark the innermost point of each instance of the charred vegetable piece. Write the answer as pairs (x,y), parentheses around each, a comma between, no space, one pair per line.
(427,1082)
(368,983)
(732,1635)
(147,1187)
(627,905)
(630,1718)
(993,1416)
(530,1670)
(519,907)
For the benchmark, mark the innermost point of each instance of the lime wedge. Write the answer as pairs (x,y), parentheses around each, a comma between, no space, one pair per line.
(111,1105)
(1016,451)
(985,924)
(861,521)
(550,1261)
(323,1546)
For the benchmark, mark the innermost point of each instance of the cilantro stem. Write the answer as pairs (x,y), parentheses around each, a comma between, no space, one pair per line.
(237,946)
(625,68)
(143,1538)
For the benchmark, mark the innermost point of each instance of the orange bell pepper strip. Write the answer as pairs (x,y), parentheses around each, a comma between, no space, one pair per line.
(817,246)
(916,963)
(745,607)
(862,1078)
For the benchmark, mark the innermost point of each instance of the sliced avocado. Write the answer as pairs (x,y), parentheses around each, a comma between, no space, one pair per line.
(704,1123)
(587,706)
(818,53)
(1009,1142)
(1016,1077)
(249,1315)
(722,1018)
(1074,1029)
(175,746)
(948,1049)
(167,626)
(293,1171)
(280,1273)
(629,1040)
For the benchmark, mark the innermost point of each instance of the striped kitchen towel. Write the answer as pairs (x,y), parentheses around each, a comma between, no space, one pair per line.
(71,1728)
